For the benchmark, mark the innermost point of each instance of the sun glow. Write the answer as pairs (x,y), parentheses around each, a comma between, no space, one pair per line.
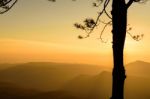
(40,32)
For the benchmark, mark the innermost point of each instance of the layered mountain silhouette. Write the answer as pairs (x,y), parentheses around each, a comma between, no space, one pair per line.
(138,68)
(6,66)
(99,87)
(45,76)
(13,91)
(70,81)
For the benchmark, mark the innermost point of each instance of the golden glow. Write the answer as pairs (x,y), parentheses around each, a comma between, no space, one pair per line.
(39,31)
(25,51)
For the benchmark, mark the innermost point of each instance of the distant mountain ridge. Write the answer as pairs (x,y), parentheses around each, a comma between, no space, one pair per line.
(138,68)
(45,76)
(6,66)
(99,86)
(71,81)
(52,76)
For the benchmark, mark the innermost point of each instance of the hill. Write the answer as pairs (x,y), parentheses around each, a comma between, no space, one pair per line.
(138,68)
(99,87)
(45,76)
(91,87)
(13,91)
(6,66)
(81,87)
(70,81)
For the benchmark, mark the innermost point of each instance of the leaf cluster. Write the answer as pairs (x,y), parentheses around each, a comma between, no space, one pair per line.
(6,5)
(89,23)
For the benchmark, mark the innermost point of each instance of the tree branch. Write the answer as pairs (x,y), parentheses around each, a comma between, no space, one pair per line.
(7,7)
(101,33)
(129,3)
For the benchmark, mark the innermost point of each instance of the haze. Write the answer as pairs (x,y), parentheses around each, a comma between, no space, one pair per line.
(38,30)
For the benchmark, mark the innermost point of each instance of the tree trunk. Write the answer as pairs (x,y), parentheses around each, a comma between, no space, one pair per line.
(119,21)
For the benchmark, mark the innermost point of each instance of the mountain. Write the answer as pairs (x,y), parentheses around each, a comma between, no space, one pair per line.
(70,81)
(138,68)
(90,87)
(45,76)
(13,91)
(6,66)
(81,87)
(99,86)
(53,95)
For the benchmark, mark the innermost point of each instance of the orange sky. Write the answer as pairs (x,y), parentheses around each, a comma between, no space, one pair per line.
(41,31)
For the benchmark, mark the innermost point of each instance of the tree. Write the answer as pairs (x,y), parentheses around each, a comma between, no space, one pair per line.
(6,5)
(119,30)
(118,20)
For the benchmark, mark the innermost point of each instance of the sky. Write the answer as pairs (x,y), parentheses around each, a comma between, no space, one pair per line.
(38,30)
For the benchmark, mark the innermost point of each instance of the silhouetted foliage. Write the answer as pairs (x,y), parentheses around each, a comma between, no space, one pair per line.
(52,0)
(118,20)
(6,5)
